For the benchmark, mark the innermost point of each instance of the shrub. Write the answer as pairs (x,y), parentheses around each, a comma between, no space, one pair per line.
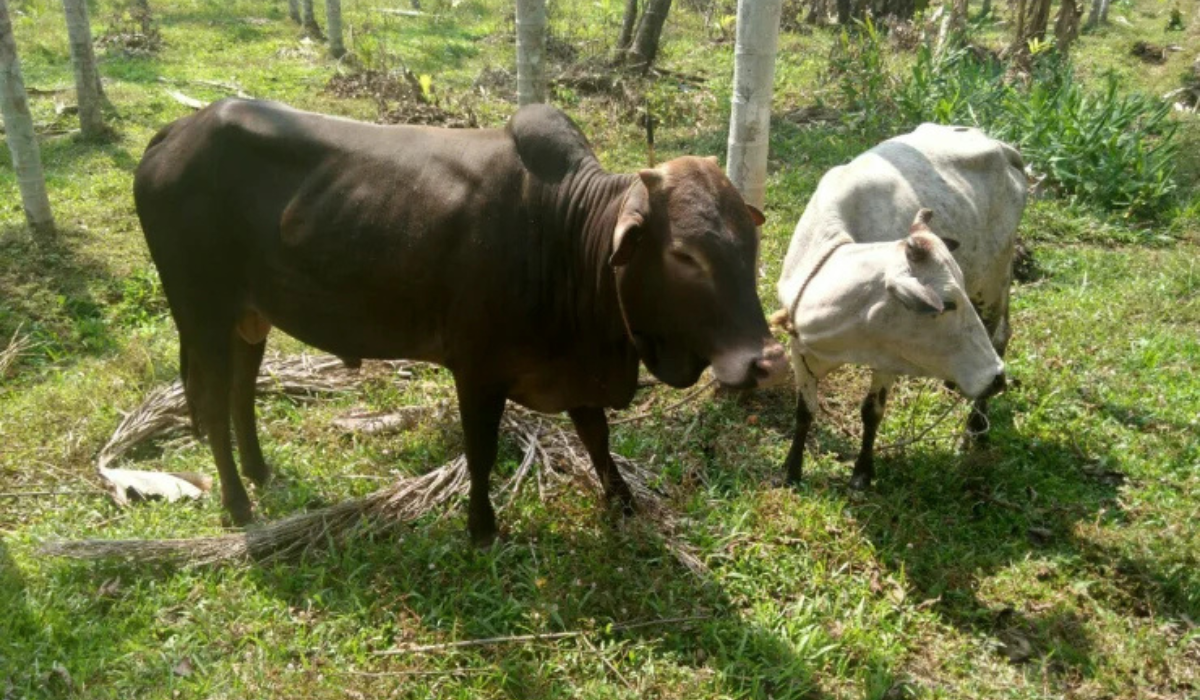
(1099,147)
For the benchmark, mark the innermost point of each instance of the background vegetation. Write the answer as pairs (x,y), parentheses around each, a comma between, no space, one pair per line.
(1061,563)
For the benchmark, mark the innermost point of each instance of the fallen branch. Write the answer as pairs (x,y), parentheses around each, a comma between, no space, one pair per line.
(228,87)
(535,637)
(185,100)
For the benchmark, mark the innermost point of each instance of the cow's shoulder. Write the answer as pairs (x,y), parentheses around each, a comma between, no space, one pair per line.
(548,142)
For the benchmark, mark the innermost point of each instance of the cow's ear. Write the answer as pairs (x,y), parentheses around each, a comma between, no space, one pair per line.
(634,213)
(915,295)
(951,244)
(756,215)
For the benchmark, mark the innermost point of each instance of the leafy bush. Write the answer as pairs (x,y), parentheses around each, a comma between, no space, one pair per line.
(1099,147)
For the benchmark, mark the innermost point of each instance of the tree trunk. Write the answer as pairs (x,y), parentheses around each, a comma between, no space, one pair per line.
(958,20)
(294,11)
(627,25)
(985,8)
(310,19)
(22,142)
(333,21)
(843,10)
(88,92)
(1098,14)
(1104,11)
(645,45)
(1039,17)
(1066,26)
(753,76)
(531,51)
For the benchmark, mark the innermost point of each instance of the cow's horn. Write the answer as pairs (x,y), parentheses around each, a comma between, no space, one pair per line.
(921,220)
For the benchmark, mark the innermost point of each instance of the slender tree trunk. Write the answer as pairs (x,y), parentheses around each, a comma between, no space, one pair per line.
(985,8)
(1098,14)
(958,19)
(1039,17)
(843,10)
(1066,26)
(645,45)
(18,125)
(333,22)
(88,92)
(294,11)
(628,22)
(753,76)
(531,51)
(310,19)
(1104,11)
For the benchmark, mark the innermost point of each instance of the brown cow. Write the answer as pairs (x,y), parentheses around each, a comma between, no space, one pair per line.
(507,255)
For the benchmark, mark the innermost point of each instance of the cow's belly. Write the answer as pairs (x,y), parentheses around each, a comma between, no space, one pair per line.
(560,385)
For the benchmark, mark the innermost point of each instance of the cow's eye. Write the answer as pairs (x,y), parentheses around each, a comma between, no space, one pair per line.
(687,259)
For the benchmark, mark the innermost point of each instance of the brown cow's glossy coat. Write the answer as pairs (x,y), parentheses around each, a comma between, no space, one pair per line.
(507,255)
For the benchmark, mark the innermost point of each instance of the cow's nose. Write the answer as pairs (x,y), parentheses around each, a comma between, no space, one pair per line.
(771,366)
(996,386)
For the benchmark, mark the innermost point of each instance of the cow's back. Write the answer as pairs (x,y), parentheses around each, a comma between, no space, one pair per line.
(974,184)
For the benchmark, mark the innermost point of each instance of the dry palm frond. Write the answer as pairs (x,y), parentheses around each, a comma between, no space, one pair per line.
(165,409)
(17,346)
(552,456)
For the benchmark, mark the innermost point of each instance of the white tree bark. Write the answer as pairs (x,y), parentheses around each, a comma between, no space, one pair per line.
(531,51)
(310,19)
(753,76)
(1098,14)
(333,22)
(18,125)
(88,92)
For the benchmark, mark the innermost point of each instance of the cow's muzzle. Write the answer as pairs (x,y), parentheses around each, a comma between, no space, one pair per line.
(753,370)
(999,383)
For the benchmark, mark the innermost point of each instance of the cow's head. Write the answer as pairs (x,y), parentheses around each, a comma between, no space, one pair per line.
(684,252)
(902,307)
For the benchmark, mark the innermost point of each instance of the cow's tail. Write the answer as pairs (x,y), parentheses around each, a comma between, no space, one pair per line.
(780,320)
(188,398)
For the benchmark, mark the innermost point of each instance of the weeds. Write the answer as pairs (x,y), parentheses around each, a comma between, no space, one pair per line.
(1112,151)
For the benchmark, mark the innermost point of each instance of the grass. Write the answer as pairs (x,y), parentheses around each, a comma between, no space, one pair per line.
(1062,562)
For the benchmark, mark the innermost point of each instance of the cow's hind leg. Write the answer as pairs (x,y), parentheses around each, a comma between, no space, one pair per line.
(481,409)
(247,357)
(592,426)
(208,387)
(873,407)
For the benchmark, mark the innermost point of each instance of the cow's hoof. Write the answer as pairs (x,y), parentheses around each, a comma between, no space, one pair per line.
(238,514)
(484,541)
(259,475)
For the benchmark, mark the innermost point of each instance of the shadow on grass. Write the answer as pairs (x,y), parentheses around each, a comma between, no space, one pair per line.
(48,290)
(948,521)
(544,577)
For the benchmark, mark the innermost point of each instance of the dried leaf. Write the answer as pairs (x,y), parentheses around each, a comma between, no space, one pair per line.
(132,485)
(184,668)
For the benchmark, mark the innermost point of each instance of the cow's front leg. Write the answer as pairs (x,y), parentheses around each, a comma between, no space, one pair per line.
(592,427)
(806,409)
(481,409)
(873,407)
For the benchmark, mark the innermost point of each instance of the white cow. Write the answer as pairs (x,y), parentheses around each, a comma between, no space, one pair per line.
(869,276)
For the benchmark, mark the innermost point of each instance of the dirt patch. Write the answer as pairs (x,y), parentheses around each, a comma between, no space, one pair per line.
(375,84)
(131,31)
(1150,53)
(430,114)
